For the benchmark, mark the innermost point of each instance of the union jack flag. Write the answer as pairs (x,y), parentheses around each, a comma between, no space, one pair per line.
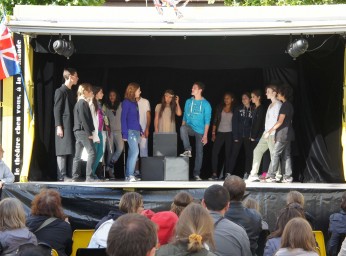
(9,64)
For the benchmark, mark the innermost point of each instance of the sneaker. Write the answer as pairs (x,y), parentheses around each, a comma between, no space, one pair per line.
(287,180)
(197,178)
(253,178)
(76,179)
(187,153)
(270,180)
(110,174)
(91,179)
(132,179)
(213,177)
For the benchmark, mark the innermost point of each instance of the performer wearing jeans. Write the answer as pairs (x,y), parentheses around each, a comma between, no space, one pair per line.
(83,130)
(283,136)
(266,142)
(131,128)
(196,121)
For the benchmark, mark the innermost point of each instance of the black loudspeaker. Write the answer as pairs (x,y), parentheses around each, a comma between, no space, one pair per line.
(176,168)
(165,144)
(152,168)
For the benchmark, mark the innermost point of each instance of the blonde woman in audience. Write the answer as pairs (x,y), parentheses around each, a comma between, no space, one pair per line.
(130,202)
(180,201)
(13,232)
(193,234)
(297,239)
(297,197)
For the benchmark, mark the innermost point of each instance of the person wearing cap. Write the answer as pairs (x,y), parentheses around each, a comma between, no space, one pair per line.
(6,176)
(230,238)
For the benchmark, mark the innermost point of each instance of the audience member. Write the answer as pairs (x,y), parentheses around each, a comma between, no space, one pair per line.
(180,201)
(49,223)
(132,234)
(130,202)
(165,222)
(297,197)
(196,121)
(241,129)
(6,176)
(64,101)
(115,147)
(84,132)
(222,133)
(230,238)
(297,239)
(343,249)
(337,228)
(274,239)
(130,128)
(249,219)
(13,232)
(166,111)
(193,234)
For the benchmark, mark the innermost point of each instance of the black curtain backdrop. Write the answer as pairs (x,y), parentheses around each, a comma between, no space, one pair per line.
(236,64)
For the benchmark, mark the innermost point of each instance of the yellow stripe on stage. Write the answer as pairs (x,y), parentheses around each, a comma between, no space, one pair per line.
(343,135)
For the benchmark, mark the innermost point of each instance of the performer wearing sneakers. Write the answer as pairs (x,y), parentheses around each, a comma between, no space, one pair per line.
(196,121)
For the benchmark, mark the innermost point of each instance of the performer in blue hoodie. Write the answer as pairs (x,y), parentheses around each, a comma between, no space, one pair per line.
(241,127)
(196,121)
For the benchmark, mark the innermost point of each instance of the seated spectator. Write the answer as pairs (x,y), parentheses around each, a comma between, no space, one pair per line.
(13,232)
(274,239)
(180,201)
(297,197)
(230,238)
(251,203)
(49,223)
(132,234)
(337,228)
(249,219)
(6,176)
(297,239)
(193,234)
(130,202)
(165,222)
(33,250)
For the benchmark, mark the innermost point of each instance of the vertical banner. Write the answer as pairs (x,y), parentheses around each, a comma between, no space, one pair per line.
(18,111)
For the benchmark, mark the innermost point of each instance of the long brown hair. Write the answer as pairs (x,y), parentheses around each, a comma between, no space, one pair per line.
(180,201)
(131,90)
(172,105)
(298,234)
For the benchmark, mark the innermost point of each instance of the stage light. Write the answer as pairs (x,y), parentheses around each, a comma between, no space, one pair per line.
(297,47)
(63,47)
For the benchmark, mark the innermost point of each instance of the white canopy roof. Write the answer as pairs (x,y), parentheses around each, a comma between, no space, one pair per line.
(197,21)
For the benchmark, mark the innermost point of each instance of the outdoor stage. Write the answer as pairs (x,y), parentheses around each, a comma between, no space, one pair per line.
(85,203)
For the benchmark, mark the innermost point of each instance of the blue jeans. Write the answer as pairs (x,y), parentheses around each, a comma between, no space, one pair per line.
(99,152)
(82,141)
(133,141)
(185,132)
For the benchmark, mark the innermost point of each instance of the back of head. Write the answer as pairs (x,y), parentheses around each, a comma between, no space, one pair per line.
(82,88)
(166,222)
(286,91)
(235,186)
(216,197)
(295,197)
(298,234)
(131,234)
(12,215)
(291,211)
(130,202)
(195,227)
(180,201)
(251,204)
(48,203)
(33,250)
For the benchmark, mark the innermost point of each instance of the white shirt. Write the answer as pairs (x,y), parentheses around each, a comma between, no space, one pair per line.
(143,107)
(272,116)
(99,238)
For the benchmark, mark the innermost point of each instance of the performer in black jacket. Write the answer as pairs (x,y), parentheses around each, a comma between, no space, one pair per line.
(83,130)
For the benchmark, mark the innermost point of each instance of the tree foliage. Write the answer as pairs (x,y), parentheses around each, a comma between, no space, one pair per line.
(9,4)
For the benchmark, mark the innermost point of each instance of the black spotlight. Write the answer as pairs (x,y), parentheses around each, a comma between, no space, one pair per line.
(63,47)
(297,47)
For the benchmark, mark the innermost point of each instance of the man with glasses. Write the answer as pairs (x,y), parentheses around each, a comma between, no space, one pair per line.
(196,121)
(64,101)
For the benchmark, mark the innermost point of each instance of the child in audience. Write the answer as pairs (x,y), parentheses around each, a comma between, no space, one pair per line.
(180,201)
(297,197)
(193,234)
(13,232)
(297,239)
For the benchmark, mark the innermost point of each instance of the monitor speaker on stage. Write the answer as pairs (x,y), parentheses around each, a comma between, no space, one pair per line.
(165,144)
